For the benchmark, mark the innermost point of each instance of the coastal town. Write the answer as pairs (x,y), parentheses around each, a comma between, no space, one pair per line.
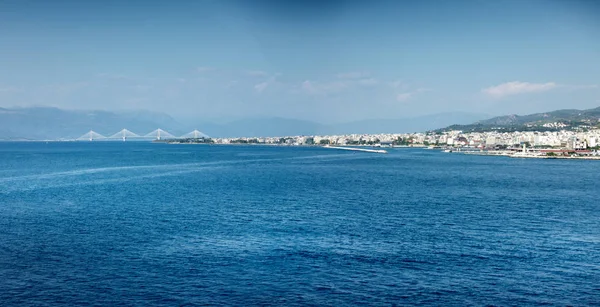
(555,144)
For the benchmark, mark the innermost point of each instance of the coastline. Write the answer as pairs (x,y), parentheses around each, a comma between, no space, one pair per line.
(518,155)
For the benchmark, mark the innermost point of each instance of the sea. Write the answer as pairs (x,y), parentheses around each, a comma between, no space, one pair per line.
(152,224)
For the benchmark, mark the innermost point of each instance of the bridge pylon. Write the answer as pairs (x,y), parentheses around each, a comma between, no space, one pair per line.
(91,135)
(195,135)
(159,134)
(124,134)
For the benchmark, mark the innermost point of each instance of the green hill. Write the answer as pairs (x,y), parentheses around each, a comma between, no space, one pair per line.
(534,122)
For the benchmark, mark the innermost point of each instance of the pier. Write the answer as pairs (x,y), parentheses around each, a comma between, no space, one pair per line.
(357,149)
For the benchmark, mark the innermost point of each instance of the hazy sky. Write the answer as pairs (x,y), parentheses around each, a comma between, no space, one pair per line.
(342,60)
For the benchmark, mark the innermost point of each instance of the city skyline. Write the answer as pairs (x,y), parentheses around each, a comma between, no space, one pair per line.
(332,62)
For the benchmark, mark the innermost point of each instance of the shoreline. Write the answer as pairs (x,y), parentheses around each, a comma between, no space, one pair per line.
(520,155)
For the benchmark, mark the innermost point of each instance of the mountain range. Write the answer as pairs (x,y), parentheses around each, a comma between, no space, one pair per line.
(44,123)
(572,117)
(48,123)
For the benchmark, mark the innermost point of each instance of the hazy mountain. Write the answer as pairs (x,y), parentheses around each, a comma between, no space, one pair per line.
(558,115)
(44,123)
(40,123)
(532,121)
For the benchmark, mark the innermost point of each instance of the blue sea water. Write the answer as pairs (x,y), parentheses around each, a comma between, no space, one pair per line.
(141,224)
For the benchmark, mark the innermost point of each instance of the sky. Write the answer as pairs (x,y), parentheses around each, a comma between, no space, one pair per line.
(327,61)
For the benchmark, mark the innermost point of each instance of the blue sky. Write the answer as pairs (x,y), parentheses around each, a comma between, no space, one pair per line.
(332,61)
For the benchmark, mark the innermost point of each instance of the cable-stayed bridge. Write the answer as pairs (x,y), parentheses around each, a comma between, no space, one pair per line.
(124,135)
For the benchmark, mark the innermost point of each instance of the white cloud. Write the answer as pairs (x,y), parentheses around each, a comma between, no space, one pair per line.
(517,87)
(261,86)
(307,86)
(352,75)
(404,97)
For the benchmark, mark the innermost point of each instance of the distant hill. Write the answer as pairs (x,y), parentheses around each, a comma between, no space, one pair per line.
(44,123)
(571,117)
